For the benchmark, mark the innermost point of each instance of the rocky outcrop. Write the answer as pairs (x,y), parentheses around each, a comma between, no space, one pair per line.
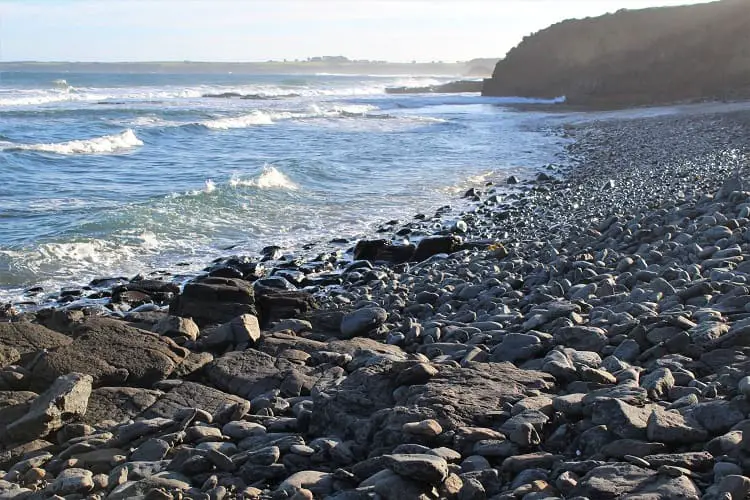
(456,87)
(634,57)
(112,353)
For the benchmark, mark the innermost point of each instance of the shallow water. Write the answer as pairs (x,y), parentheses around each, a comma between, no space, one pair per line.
(107,175)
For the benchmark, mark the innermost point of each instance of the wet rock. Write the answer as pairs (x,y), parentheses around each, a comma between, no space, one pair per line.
(433,245)
(383,250)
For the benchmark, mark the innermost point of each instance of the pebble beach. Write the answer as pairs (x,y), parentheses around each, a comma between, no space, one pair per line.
(579,333)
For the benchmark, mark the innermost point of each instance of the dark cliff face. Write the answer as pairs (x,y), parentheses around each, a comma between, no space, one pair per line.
(637,57)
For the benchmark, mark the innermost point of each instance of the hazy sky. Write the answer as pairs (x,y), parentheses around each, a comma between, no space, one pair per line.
(253,30)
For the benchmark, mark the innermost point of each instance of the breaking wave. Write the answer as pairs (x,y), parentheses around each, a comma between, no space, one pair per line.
(270,178)
(98,145)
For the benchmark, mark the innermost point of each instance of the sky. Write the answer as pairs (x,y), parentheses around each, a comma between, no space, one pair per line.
(259,30)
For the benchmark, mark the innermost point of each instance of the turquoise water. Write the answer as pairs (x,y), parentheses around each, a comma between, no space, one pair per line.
(109,175)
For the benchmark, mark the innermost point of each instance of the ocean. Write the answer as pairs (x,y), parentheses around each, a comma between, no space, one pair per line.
(118,174)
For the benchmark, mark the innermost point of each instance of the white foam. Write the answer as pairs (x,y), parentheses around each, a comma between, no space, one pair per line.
(151,121)
(98,145)
(270,178)
(210,186)
(354,109)
(91,252)
(242,121)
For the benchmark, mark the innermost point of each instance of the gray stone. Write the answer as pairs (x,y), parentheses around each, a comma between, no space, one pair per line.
(152,450)
(428,468)
(622,480)
(362,321)
(71,481)
(194,395)
(671,427)
(658,383)
(175,326)
(250,373)
(243,329)
(581,338)
(117,404)
(622,419)
(65,401)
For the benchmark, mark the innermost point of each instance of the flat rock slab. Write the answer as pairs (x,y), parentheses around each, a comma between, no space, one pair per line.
(623,480)
(29,338)
(194,395)
(114,354)
(250,373)
(363,406)
(119,403)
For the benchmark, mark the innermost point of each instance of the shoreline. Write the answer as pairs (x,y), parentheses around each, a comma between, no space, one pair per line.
(592,345)
(453,206)
(703,106)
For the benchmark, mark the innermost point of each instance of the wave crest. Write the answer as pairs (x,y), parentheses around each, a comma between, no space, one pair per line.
(242,121)
(98,145)
(270,178)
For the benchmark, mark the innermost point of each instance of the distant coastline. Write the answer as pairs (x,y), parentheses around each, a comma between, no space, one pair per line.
(475,67)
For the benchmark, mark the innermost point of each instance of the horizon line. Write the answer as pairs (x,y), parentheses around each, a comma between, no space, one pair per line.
(288,61)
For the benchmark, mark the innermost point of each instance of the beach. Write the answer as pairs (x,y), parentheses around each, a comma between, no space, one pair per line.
(579,331)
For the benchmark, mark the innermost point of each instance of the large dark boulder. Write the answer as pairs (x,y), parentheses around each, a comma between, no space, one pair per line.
(114,354)
(140,291)
(433,245)
(383,250)
(274,305)
(214,300)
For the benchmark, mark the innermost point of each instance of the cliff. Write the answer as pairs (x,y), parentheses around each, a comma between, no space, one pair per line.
(634,57)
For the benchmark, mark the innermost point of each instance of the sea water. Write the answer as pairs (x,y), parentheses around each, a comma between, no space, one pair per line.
(118,174)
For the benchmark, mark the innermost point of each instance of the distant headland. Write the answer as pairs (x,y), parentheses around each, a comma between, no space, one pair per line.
(634,57)
(479,67)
